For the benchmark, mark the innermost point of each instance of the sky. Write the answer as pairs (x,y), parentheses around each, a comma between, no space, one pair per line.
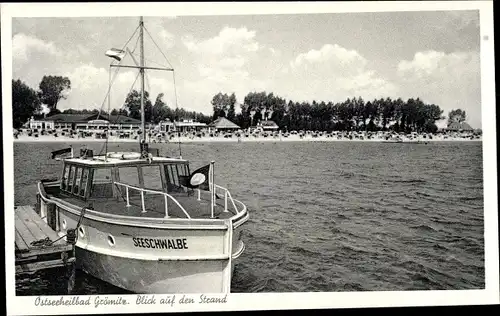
(433,55)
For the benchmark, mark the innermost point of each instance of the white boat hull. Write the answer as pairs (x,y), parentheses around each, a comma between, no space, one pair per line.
(155,256)
(155,277)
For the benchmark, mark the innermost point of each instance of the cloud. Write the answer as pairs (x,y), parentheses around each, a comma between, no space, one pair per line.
(462,18)
(229,41)
(334,73)
(157,28)
(334,55)
(168,39)
(89,86)
(222,65)
(24,45)
(450,80)
(226,54)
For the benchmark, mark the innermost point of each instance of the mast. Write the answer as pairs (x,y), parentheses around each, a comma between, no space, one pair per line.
(142,68)
(143,117)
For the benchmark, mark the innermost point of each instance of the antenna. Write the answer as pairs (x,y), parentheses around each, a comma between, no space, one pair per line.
(109,116)
(177,108)
(143,115)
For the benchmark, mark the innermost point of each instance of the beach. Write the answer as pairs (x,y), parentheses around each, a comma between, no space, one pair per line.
(24,138)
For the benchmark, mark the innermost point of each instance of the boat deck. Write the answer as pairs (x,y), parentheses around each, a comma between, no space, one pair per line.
(154,206)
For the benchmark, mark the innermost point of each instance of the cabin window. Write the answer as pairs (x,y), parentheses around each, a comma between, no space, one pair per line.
(102,183)
(172,173)
(71,178)
(152,177)
(83,182)
(129,176)
(78,178)
(182,170)
(64,181)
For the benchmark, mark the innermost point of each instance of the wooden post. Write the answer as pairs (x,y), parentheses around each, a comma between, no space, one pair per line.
(225,201)
(38,205)
(128,200)
(212,188)
(166,206)
(51,215)
(142,202)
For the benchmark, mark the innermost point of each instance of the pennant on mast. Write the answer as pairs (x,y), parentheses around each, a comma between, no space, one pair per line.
(115,53)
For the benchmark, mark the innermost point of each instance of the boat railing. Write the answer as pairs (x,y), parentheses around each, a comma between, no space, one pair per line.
(142,191)
(227,198)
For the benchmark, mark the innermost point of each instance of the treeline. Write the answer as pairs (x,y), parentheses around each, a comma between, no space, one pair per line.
(27,102)
(153,113)
(159,111)
(354,114)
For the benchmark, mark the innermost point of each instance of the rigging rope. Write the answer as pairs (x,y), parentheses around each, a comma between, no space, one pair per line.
(146,78)
(152,61)
(105,145)
(176,106)
(116,73)
(133,84)
(147,32)
(175,87)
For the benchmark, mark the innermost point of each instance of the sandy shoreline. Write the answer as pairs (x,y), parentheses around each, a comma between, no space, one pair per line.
(293,138)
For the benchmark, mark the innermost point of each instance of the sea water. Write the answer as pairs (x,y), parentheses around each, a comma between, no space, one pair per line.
(326,216)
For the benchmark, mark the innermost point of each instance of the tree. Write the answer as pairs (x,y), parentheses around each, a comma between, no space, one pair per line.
(133,105)
(220,103)
(116,112)
(52,90)
(160,110)
(456,116)
(231,112)
(25,103)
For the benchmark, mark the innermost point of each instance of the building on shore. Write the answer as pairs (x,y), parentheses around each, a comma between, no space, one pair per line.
(459,127)
(86,122)
(267,126)
(40,124)
(223,124)
(166,126)
(188,126)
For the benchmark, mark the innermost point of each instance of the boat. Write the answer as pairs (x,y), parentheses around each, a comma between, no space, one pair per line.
(393,140)
(144,222)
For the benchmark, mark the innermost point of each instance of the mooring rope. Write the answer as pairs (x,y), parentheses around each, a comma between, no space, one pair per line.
(71,234)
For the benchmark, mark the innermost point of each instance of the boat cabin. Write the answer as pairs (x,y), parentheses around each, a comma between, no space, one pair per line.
(126,184)
(99,177)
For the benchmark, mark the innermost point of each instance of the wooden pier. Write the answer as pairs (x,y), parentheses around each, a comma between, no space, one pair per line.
(38,247)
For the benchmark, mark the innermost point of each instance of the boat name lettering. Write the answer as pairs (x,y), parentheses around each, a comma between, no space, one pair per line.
(179,243)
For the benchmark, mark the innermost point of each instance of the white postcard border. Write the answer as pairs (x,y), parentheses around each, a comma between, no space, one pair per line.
(265,301)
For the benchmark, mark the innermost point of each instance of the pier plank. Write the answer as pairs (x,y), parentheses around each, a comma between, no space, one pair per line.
(31,259)
(27,215)
(44,227)
(23,230)
(21,245)
(36,266)
(31,227)
(38,251)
